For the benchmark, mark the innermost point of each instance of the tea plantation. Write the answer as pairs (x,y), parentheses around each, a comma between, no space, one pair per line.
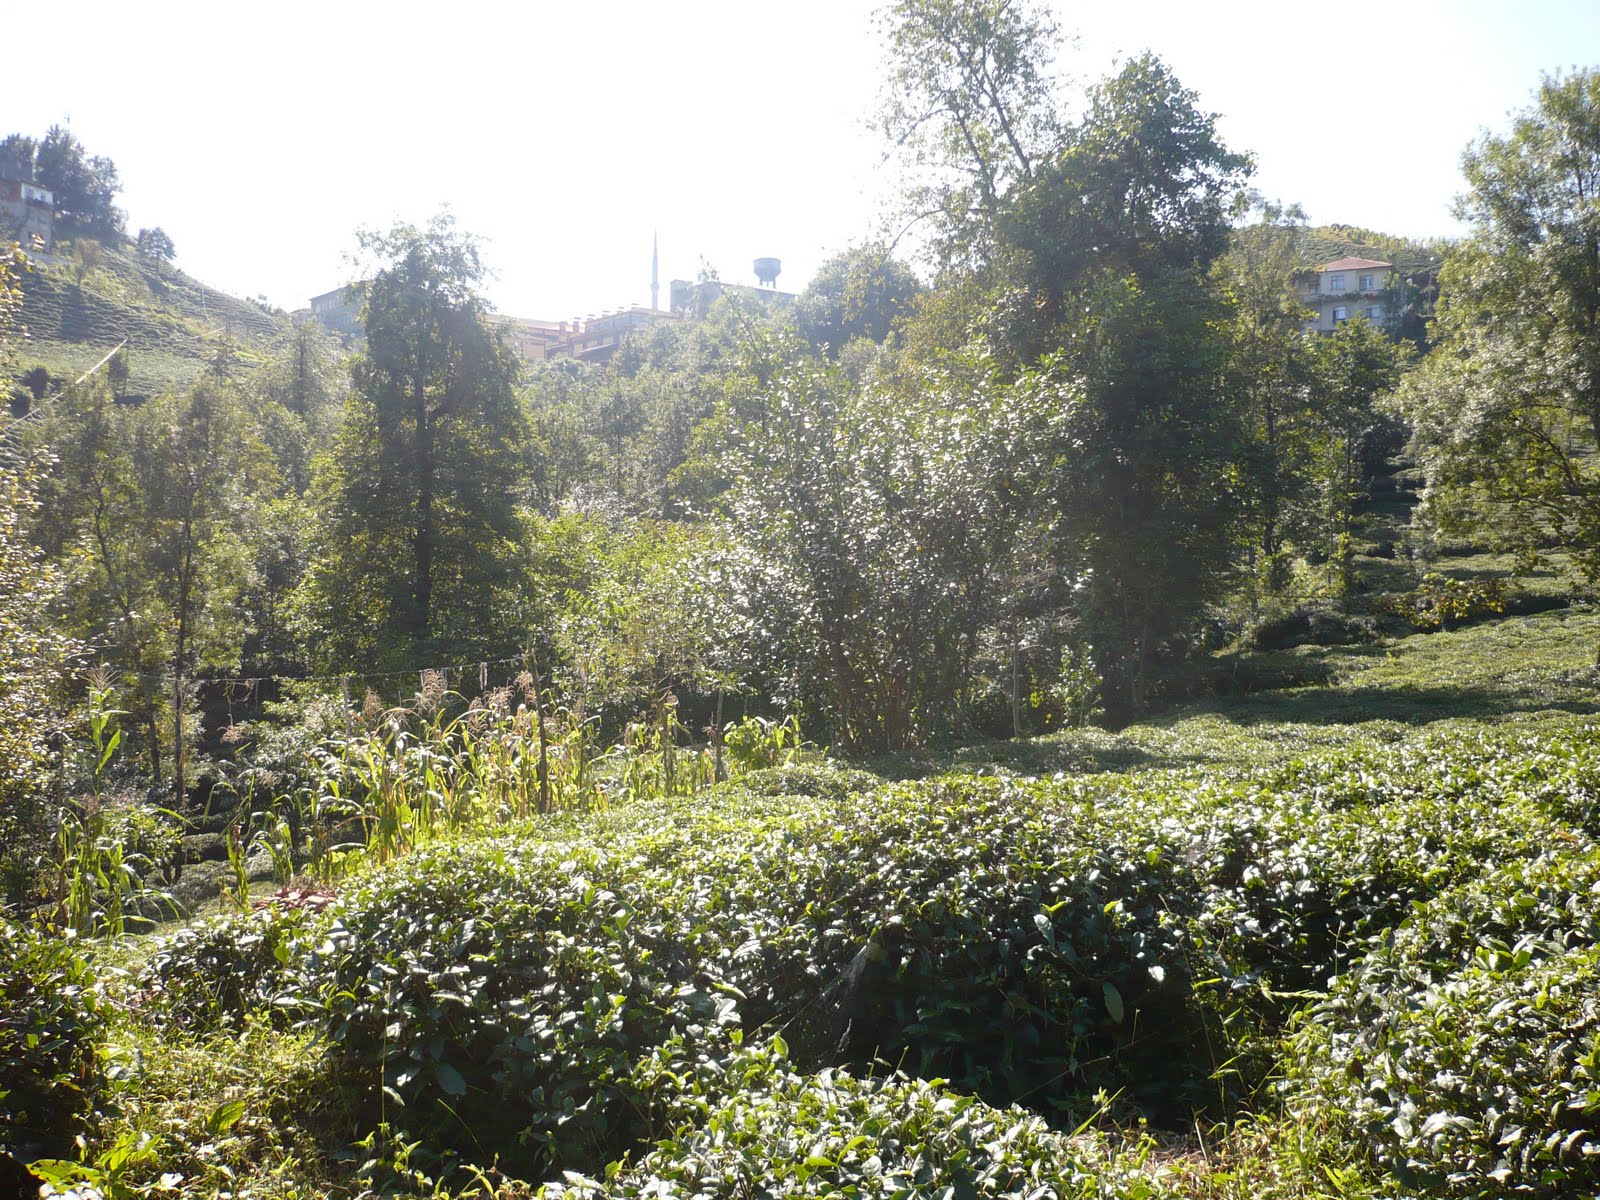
(1213,955)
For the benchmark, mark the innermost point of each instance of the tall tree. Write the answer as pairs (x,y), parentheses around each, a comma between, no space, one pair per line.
(85,187)
(423,493)
(1506,411)
(1110,245)
(970,101)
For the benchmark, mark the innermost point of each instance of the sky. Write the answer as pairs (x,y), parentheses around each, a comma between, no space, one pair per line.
(568,134)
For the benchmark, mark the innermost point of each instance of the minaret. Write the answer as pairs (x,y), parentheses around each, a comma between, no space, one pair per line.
(655,270)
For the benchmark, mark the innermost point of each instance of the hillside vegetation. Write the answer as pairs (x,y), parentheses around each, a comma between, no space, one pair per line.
(1324,243)
(174,324)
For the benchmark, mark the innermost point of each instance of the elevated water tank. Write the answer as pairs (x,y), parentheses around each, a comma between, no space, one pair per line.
(767,270)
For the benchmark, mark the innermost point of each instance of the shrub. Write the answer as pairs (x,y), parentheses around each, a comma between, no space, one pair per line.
(1485,1084)
(51,1021)
(496,970)
(763,1129)
(1464,1048)
(215,974)
(1318,623)
(1440,601)
(825,780)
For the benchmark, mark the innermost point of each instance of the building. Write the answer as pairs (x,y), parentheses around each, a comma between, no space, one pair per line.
(27,214)
(532,340)
(695,299)
(1349,287)
(340,310)
(597,338)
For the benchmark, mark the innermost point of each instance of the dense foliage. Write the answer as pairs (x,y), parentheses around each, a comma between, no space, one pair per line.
(52,1019)
(509,681)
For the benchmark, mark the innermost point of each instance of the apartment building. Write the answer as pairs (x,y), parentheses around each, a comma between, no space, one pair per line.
(1349,287)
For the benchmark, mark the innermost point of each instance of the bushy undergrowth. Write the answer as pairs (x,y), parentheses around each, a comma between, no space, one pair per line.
(758,1127)
(548,996)
(52,1019)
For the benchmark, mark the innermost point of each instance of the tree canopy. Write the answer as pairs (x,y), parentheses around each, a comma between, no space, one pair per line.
(420,495)
(1506,412)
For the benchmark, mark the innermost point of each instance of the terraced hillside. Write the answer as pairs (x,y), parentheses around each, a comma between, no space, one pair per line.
(174,324)
(1324,243)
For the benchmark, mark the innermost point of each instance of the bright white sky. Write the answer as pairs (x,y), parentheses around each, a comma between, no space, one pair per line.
(261,136)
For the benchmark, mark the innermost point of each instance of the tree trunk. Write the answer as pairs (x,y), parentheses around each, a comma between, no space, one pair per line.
(721,772)
(422,545)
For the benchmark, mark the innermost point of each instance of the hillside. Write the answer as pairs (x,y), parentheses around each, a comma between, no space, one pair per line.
(174,324)
(1324,243)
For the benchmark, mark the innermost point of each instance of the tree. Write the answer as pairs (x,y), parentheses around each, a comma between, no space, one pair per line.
(1081,249)
(879,518)
(1270,378)
(163,513)
(18,153)
(858,294)
(36,652)
(1505,413)
(85,188)
(155,245)
(1109,246)
(1354,369)
(423,494)
(969,99)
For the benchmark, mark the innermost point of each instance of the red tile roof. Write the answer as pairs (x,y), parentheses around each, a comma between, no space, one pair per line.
(1352,264)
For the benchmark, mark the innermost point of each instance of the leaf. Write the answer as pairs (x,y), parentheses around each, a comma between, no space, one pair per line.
(450,1080)
(1114,1002)
(224,1117)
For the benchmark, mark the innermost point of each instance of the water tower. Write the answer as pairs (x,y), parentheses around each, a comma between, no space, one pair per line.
(767,270)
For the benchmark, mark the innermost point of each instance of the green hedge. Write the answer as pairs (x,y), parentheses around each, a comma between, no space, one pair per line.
(758,1128)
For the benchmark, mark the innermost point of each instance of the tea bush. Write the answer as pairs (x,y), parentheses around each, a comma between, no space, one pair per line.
(52,1018)
(1462,1048)
(215,974)
(975,929)
(1484,1084)
(504,971)
(965,928)
(1034,940)
(764,1129)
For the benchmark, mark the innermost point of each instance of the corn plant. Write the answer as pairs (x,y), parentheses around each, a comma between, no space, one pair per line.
(757,743)
(98,877)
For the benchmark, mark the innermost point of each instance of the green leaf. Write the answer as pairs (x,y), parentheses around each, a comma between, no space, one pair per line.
(224,1117)
(1114,1002)
(450,1080)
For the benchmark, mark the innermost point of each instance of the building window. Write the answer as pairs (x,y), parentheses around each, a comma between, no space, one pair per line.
(1336,283)
(1366,284)
(1374,312)
(1340,315)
